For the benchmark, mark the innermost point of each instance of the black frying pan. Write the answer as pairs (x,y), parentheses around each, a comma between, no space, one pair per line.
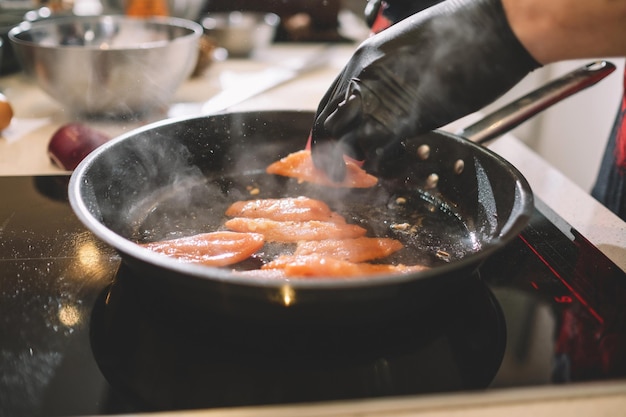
(177,177)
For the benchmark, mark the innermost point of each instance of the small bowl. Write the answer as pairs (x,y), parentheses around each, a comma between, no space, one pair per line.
(108,65)
(242,32)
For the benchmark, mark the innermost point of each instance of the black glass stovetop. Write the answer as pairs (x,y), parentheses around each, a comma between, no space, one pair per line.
(78,335)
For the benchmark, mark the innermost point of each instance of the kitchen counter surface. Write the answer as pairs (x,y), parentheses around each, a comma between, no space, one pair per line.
(23,152)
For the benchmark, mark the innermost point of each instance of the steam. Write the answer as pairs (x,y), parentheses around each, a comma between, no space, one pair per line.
(178,180)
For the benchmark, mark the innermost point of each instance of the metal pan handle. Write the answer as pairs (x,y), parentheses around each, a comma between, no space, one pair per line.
(522,109)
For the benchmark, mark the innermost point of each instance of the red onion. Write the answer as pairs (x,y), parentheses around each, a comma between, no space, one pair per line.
(72,142)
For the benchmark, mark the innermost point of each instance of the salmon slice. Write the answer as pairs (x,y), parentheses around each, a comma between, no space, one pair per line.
(285,209)
(275,231)
(300,165)
(321,266)
(360,249)
(213,249)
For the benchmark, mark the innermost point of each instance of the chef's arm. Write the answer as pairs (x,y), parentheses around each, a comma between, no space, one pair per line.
(555,30)
(551,31)
(447,61)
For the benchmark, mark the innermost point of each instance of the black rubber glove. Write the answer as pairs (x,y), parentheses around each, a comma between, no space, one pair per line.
(420,74)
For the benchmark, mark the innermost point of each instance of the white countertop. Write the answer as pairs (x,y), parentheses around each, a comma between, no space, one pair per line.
(23,152)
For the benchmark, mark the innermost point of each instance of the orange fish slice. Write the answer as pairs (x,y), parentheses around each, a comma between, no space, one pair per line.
(300,165)
(212,249)
(275,231)
(321,266)
(360,249)
(284,209)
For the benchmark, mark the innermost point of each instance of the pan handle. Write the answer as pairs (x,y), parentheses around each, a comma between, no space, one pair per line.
(522,109)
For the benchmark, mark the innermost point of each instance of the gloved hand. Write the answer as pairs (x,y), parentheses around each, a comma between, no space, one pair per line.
(420,74)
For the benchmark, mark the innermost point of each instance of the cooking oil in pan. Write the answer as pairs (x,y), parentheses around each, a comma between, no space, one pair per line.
(431,232)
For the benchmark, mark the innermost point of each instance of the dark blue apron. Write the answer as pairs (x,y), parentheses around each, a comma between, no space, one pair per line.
(610,186)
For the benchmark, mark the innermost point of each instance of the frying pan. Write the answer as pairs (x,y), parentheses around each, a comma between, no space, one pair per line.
(451,202)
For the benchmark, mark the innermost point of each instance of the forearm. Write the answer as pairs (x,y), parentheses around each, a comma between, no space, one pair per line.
(555,30)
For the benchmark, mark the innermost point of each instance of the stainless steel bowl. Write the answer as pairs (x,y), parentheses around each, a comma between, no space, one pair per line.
(241,33)
(108,65)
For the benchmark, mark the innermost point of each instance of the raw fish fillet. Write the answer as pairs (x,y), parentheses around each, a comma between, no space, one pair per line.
(284,209)
(276,231)
(321,266)
(300,165)
(360,249)
(212,249)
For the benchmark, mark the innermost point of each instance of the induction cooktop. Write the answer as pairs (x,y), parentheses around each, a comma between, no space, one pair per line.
(79,335)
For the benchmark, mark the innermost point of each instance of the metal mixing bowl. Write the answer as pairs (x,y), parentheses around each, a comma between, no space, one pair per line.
(241,33)
(108,65)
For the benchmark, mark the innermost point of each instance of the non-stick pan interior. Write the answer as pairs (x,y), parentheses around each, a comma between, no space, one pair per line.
(446,199)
